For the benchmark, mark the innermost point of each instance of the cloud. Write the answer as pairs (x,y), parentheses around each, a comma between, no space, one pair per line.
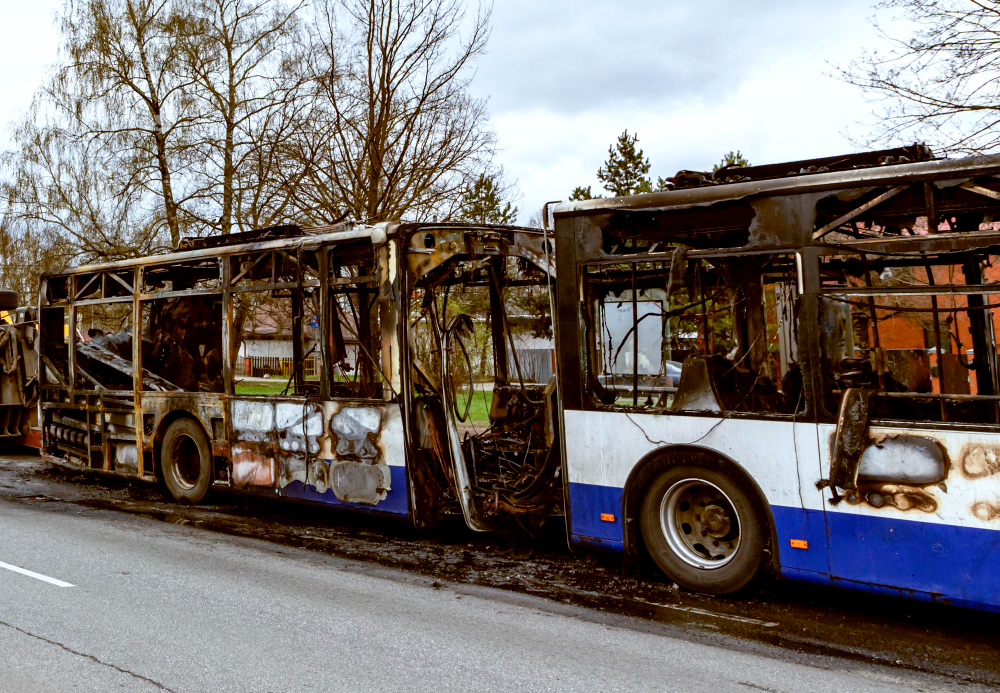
(693,80)
(572,56)
(28,43)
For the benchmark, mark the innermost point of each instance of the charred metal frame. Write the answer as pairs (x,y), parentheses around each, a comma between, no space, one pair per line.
(78,409)
(767,211)
(118,430)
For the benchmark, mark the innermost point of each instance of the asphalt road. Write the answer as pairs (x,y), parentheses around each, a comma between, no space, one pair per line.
(170,606)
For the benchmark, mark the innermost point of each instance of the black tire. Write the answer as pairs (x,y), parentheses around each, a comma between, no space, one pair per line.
(9,300)
(720,552)
(186,461)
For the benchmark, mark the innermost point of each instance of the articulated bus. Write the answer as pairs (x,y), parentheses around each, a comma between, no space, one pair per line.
(785,369)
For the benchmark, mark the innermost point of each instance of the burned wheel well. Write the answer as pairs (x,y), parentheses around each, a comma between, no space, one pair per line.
(649,467)
(161,431)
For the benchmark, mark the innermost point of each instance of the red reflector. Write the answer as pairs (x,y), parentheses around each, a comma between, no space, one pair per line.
(607,517)
(799,543)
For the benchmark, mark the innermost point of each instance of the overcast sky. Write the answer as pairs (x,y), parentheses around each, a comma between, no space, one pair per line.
(565,77)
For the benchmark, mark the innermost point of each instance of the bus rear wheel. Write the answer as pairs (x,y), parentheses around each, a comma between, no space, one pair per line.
(702,529)
(186,461)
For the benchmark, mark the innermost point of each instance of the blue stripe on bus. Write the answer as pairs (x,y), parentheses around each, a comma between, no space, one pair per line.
(586,504)
(804,525)
(959,563)
(932,562)
(396,500)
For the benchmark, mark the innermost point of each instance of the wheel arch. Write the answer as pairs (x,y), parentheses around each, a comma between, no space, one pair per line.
(661,458)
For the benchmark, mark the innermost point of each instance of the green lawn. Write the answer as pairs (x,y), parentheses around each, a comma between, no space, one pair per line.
(479,412)
(250,387)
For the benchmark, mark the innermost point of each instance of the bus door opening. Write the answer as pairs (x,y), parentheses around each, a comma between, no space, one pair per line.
(481,358)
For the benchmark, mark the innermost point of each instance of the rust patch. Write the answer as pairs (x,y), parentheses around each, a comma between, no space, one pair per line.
(985,511)
(979,461)
(252,467)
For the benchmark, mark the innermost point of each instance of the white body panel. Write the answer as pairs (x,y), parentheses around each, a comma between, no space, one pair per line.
(782,457)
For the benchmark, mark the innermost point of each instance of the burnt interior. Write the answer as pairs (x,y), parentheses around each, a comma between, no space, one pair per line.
(690,333)
(859,299)
(475,298)
(324,298)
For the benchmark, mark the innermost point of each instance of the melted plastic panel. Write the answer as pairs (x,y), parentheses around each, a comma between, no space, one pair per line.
(904,459)
(254,436)
(333,448)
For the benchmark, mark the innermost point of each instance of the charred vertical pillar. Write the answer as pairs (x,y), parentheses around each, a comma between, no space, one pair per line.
(635,340)
(756,324)
(227,325)
(810,351)
(326,318)
(973,270)
(569,345)
(297,358)
(500,355)
(366,369)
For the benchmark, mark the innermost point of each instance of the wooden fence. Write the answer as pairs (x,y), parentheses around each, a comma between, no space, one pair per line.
(259,366)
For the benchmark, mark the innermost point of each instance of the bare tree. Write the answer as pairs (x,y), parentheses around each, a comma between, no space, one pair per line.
(394,131)
(24,255)
(942,83)
(61,188)
(121,86)
(236,53)
(207,116)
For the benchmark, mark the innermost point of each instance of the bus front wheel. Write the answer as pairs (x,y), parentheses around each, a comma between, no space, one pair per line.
(186,461)
(702,529)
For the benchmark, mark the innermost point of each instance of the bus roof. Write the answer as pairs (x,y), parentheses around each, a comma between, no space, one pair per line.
(278,237)
(806,176)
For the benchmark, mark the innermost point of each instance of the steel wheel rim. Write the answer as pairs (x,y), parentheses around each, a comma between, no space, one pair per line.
(186,462)
(700,524)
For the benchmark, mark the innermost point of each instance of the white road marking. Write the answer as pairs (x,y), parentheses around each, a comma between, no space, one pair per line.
(713,614)
(37,576)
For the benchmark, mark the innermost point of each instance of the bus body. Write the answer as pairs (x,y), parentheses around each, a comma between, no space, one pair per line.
(18,375)
(367,413)
(836,416)
(788,368)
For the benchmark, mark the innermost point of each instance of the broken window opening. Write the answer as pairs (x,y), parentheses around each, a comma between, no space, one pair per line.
(265,344)
(354,329)
(104,347)
(918,329)
(690,335)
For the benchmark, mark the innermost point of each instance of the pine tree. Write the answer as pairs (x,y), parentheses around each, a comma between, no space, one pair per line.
(624,173)
(582,193)
(732,160)
(484,203)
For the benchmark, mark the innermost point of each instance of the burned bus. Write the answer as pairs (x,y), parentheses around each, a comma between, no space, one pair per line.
(790,368)
(391,333)
(786,369)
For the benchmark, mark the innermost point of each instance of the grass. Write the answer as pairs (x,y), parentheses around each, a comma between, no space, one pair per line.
(479,412)
(248,387)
